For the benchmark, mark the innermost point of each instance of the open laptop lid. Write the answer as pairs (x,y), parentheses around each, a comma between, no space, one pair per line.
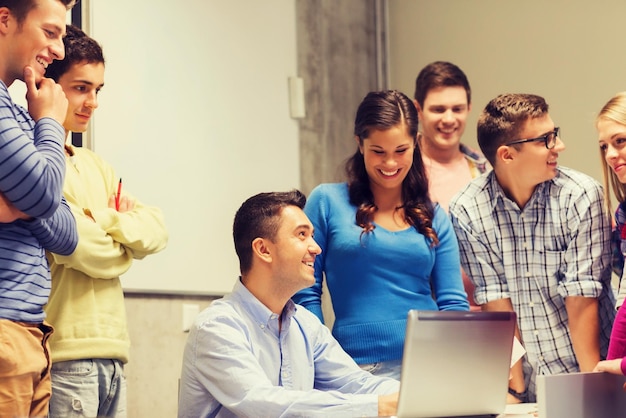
(455,364)
(581,395)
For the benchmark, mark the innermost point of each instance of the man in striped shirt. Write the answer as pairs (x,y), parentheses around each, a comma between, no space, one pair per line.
(535,239)
(33,215)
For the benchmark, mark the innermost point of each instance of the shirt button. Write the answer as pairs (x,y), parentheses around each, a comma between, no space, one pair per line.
(531,304)
(527,274)
(262,326)
(536,332)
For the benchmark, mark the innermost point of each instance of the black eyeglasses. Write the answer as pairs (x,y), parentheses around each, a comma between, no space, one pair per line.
(549,139)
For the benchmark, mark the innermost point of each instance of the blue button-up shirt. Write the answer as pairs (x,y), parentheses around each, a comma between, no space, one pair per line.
(238,362)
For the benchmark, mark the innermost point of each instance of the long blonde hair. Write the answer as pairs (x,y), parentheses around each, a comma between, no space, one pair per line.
(614,110)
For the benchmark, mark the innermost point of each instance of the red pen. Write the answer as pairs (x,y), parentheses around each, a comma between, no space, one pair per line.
(118,195)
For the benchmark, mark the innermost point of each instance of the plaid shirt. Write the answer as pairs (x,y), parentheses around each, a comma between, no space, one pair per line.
(478,164)
(557,246)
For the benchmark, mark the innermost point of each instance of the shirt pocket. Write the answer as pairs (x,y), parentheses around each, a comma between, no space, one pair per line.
(548,264)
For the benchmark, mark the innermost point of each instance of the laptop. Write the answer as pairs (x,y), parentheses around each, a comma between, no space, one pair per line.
(456,364)
(581,395)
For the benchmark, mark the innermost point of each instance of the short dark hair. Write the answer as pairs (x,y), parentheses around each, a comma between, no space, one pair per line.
(259,217)
(503,119)
(21,8)
(79,48)
(440,74)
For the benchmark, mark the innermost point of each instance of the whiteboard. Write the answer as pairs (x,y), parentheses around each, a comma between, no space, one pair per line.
(194,116)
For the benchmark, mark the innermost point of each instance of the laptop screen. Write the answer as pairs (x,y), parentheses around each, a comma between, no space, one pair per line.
(455,364)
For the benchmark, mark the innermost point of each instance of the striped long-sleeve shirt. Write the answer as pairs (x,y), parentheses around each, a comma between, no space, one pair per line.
(32,169)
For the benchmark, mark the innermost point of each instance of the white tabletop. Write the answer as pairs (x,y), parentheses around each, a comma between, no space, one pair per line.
(520,410)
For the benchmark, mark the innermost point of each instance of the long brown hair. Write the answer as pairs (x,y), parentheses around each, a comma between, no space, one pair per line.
(381,111)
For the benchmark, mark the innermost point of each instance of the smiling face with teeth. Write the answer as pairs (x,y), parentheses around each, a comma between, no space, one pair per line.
(388,156)
(293,251)
(36,41)
(443,118)
(531,163)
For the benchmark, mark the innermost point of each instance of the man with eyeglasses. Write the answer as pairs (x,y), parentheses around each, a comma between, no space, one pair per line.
(535,239)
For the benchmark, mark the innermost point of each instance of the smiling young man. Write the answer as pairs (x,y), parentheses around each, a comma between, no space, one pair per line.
(91,343)
(255,352)
(34,217)
(444,99)
(535,239)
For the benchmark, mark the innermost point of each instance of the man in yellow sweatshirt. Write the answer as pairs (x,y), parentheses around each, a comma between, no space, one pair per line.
(90,344)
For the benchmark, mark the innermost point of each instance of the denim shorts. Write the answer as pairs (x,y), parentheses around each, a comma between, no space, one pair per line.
(88,388)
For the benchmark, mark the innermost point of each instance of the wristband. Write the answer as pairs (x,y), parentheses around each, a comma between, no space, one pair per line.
(522,397)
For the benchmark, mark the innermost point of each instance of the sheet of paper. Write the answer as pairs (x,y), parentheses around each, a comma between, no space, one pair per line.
(518,351)
(520,410)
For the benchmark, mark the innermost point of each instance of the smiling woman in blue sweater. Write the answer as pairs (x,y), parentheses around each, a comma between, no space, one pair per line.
(386,248)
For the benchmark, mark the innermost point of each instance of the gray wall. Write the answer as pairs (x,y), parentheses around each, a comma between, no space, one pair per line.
(568,51)
(339,60)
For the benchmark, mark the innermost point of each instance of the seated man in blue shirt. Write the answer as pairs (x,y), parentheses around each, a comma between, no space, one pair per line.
(535,239)
(255,352)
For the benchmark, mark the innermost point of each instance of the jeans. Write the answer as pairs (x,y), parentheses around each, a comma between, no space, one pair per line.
(88,388)
(384,368)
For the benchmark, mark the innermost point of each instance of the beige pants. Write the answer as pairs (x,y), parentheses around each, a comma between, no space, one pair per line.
(24,369)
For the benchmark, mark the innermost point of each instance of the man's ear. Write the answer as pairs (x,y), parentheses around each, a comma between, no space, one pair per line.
(5,19)
(419,109)
(261,250)
(505,154)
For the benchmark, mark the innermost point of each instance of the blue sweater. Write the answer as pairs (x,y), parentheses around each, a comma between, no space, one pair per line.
(374,281)
(32,168)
